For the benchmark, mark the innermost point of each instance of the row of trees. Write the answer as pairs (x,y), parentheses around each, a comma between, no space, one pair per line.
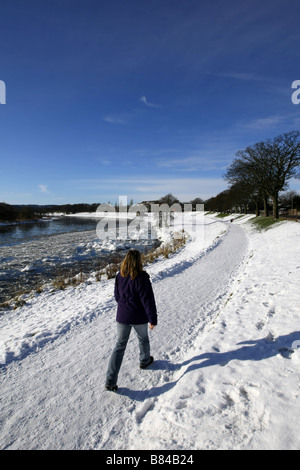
(70,208)
(256,176)
(234,199)
(19,213)
(262,171)
(10,213)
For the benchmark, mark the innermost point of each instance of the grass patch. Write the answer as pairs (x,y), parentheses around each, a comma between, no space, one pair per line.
(165,250)
(263,223)
(222,215)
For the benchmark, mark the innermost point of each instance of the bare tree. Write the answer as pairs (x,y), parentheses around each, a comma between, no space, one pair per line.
(283,154)
(268,166)
(243,172)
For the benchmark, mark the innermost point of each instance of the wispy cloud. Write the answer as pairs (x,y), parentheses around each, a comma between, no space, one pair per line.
(141,188)
(213,154)
(144,100)
(104,161)
(274,123)
(266,123)
(271,84)
(192,163)
(124,118)
(117,119)
(43,188)
(241,76)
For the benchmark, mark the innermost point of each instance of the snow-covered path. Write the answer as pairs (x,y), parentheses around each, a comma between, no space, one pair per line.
(55,398)
(216,359)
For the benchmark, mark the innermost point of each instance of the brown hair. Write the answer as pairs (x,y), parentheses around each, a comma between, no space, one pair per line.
(132,264)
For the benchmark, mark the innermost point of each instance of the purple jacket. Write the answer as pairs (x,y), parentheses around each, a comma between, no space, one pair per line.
(136,303)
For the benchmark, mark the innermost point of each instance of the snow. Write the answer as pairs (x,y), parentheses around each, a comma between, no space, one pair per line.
(226,370)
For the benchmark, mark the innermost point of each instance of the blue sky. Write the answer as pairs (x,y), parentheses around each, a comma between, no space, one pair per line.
(140,98)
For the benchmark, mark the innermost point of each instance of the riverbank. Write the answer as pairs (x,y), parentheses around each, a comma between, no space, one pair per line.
(34,254)
(226,369)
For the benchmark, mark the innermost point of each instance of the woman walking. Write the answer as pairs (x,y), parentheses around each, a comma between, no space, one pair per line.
(136,308)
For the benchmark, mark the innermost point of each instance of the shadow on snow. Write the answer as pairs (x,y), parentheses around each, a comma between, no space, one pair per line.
(253,350)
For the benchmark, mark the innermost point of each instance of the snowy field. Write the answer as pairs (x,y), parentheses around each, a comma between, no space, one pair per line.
(226,370)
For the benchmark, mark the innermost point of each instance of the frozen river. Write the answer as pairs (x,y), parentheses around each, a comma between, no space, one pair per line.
(33,253)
